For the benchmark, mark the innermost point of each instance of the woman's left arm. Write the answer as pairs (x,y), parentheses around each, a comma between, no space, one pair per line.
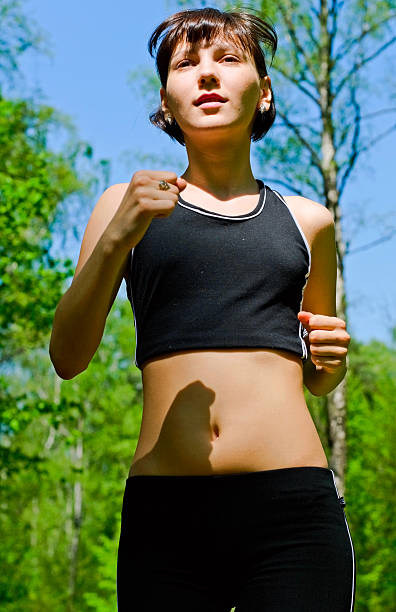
(327,340)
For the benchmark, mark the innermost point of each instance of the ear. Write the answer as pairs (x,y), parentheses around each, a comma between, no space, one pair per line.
(265,94)
(164,100)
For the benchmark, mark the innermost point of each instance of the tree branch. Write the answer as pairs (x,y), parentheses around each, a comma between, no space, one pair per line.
(296,83)
(345,131)
(358,65)
(309,32)
(355,141)
(343,136)
(347,45)
(293,35)
(377,139)
(334,14)
(373,142)
(333,29)
(285,184)
(371,244)
(314,156)
(383,111)
(302,125)
(315,12)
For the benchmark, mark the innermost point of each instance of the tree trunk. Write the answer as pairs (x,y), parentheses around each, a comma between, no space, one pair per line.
(76,520)
(336,400)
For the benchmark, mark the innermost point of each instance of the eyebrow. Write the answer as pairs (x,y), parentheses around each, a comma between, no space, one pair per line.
(218,47)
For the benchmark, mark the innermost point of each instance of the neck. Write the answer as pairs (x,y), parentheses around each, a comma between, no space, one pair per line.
(221,167)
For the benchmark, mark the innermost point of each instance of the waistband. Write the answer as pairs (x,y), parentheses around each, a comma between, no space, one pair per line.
(293,478)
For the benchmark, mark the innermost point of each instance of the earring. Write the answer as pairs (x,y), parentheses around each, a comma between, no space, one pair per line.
(169,119)
(262,108)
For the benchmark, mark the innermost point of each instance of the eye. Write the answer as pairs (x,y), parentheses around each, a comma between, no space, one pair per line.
(231,57)
(180,64)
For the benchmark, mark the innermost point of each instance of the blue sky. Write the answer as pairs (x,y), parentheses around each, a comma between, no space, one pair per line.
(95,46)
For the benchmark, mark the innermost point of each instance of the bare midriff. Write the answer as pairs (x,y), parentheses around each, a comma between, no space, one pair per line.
(225,411)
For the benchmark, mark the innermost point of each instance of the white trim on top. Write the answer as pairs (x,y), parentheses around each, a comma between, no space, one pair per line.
(133,307)
(220,216)
(300,327)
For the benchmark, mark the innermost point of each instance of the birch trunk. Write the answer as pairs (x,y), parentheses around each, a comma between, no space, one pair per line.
(336,400)
(77,496)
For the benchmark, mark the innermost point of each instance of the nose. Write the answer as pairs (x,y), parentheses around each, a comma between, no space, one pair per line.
(207,72)
(208,77)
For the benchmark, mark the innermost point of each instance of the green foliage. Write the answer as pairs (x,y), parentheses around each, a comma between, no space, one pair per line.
(33,181)
(371,476)
(35,416)
(81,437)
(105,553)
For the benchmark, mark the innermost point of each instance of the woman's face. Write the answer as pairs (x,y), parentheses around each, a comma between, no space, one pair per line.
(220,68)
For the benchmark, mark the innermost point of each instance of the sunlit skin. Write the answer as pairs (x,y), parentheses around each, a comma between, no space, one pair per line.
(237,410)
(217,137)
(222,68)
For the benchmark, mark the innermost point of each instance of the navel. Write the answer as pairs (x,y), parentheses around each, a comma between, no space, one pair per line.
(215,432)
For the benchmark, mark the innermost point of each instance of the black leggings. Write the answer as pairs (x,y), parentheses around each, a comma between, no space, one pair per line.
(274,540)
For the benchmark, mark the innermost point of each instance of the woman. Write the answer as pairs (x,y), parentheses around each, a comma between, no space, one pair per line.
(229,499)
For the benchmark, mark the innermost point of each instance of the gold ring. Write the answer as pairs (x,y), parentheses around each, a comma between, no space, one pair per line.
(163,185)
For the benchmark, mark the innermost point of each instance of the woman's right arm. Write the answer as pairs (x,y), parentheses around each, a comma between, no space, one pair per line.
(118,222)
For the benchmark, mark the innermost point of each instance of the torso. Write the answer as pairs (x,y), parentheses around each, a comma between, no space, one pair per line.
(227,411)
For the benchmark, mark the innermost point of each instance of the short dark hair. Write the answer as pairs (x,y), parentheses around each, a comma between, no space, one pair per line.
(245,29)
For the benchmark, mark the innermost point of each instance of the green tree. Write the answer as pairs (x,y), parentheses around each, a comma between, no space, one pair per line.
(35,185)
(61,517)
(38,191)
(32,182)
(371,476)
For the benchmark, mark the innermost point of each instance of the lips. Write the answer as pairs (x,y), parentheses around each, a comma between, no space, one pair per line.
(209,98)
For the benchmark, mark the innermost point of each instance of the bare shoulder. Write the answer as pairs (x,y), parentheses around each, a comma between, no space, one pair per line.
(107,205)
(312,216)
(117,191)
(102,213)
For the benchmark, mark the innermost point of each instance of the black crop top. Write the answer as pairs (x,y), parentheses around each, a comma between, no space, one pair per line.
(203,280)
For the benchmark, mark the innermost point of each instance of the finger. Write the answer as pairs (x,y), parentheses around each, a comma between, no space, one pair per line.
(324,322)
(164,207)
(315,361)
(332,336)
(147,177)
(181,183)
(328,362)
(328,350)
(156,193)
(158,175)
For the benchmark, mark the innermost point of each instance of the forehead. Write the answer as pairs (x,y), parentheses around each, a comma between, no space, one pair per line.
(218,42)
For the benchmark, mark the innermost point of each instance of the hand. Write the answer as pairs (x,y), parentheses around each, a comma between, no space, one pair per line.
(143,200)
(328,340)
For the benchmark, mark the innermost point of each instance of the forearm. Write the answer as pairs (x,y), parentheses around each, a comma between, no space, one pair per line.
(320,382)
(80,316)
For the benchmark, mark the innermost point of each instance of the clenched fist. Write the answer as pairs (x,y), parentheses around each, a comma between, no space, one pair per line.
(144,200)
